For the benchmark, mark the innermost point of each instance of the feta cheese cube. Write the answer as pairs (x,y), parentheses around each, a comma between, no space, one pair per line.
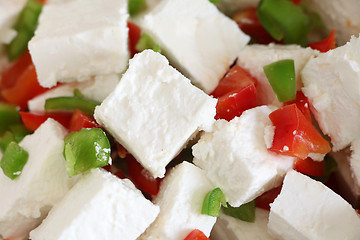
(332,85)
(341,15)
(42,183)
(229,228)
(99,206)
(9,12)
(97,88)
(197,38)
(254,57)
(307,209)
(180,199)
(236,159)
(80,38)
(154,111)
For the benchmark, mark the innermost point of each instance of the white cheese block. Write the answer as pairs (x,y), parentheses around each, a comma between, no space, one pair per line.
(154,111)
(229,228)
(97,88)
(236,159)
(196,37)
(254,57)
(42,183)
(180,199)
(341,15)
(80,38)
(332,85)
(99,206)
(307,209)
(9,12)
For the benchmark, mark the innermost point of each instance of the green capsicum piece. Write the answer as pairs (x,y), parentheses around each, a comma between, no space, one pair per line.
(212,202)
(146,42)
(86,149)
(281,75)
(13,160)
(8,115)
(245,212)
(71,103)
(135,6)
(6,138)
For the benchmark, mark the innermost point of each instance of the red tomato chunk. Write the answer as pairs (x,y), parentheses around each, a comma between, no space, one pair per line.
(196,234)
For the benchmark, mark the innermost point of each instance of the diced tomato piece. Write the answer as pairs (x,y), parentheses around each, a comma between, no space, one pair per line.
(196,234)
(19,83)
(249,23)
(134,36)
(295,135)
(326,44)
(303,104)
(33,120)
(235,103)
(296,2)
(310,167)
(141,177)
(81,120)
(264,200)
(235,78)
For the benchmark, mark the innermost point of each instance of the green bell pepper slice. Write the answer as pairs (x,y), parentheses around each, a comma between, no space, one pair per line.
(212,202)
(9,115)
(71,103)
(245,212)
(13,160)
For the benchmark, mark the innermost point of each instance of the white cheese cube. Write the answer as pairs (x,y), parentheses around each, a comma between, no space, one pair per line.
(99,206)
(229,228)
(332,85)
(97,88)
(254,57)
(342,15)
(180,199)
(9,12)
(236,159)
(42,183)
(154,111)
(78,39)
(307,209)
(197,38)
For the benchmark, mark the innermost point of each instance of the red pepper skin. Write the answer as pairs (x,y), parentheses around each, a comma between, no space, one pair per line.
(19,83)
(303,104)
(33,120)
(236,78)
(310,167)
(326,44)
(81,120)
(141,177)
(134,36)
(233,104)
(264,200)
(295,135)
(196,234)
(296,2)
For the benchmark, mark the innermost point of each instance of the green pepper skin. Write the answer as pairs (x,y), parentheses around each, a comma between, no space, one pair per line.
(13,160)
(245,212)
(71,103)
(9,115)
(212,203)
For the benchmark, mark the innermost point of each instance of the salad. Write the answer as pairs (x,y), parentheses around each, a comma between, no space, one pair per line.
(179,119)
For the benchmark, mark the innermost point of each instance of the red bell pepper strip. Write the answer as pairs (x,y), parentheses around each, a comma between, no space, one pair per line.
(326,44)
(196,234)
(295,135)
(233,104)
(310,167)
(236,78)
(302,103)
(33,120)
(81,120)
(264,200)
(134,36)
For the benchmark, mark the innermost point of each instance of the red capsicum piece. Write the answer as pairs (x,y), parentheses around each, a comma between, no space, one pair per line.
(81,120)
(326,44)
(33,120)
(233,104)
(134,36)
(295,135)
(302,103)
(196,234)
(264,200)
(310,167)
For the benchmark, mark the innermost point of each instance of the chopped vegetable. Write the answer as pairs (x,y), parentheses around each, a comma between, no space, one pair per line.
(214,1)
(135,6)
(9,115)
(236,78)
(245,212)
(146,42)
(13,160)
(326,44)
(233,104)
(281,75)
(284,20)
(303,104)
(19,131)
(33,120)
(134,37)
(212,203)
(71,103)
(330,167)
(310,167)
(81,120)
(264,200)
(6,138)
(86,149)
(25,26)
(196,234)
(295,135)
